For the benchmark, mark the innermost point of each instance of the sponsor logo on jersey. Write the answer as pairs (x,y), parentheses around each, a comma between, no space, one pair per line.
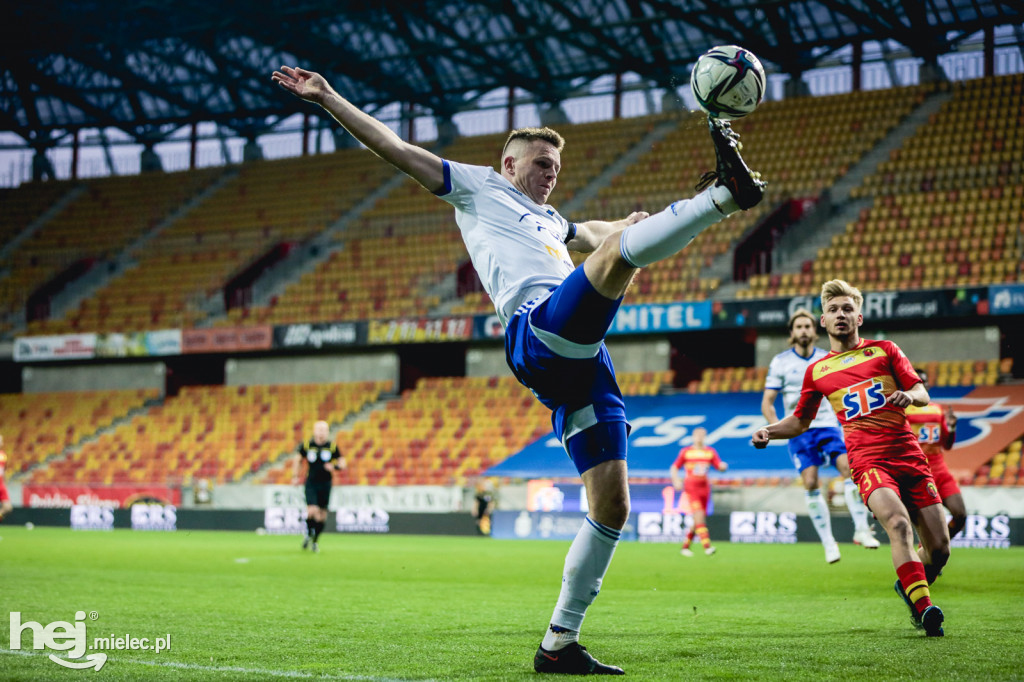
(863,398)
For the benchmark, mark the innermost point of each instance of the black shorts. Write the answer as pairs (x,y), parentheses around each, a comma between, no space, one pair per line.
(318,493)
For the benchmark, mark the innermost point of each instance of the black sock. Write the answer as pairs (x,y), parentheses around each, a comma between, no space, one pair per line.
(310,525)
(317,529)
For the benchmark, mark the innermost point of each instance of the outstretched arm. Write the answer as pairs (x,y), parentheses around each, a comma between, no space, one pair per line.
(419,164)
(591,234)
(787,428)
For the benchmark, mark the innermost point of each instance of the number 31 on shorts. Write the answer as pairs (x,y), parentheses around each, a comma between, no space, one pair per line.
(866,484)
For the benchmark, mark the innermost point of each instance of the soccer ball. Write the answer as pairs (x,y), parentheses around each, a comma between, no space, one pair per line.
(728,82)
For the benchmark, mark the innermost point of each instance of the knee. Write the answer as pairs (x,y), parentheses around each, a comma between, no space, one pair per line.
(606,264)
(609,253)
(899,528)
(612,511)
(620,510)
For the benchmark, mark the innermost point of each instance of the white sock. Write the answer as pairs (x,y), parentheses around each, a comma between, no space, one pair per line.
(858,510)
(585,565)
(820,516)
(664,234)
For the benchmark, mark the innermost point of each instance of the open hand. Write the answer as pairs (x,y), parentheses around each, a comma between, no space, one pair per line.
(306,85)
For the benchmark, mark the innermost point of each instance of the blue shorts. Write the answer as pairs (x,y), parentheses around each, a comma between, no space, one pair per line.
(554,346)
(817,447)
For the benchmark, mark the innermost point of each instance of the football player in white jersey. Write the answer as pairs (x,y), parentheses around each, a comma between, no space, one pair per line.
(556,316)
(822,444)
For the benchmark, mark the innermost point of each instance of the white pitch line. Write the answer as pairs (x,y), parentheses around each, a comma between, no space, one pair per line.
(231,669)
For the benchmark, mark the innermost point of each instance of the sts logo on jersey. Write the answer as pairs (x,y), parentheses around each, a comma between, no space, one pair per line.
(863,398)
(929,434)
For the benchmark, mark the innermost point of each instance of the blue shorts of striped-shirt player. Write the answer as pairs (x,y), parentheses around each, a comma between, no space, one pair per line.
(817,447)
(554,345)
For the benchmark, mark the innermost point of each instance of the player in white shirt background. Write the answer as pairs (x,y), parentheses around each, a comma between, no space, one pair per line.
(556,316)
(822,444)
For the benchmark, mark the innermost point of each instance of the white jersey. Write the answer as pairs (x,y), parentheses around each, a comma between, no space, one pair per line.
(786,374)
(517,246)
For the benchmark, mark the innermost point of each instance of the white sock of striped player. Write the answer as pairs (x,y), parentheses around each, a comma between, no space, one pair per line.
(664,234)
(819,516)
(858,510)
(585,565)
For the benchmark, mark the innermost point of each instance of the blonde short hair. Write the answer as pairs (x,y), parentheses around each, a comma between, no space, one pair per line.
(530,134)
(838,287)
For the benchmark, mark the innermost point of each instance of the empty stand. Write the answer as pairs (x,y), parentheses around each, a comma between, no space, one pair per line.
(1004,469)
(940,373)
(265,204)
(97,225)
(221,433)
(947,205)
(36,426)
(729,380)
(24,204)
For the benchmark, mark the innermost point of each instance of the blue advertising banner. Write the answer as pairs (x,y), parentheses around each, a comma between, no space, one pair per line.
(662,425)
(648,318)
(668,317)
(1006,299)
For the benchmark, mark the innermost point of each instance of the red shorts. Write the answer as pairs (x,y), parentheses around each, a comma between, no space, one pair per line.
(907,474)
(944,480)
(4,495)
(699,497)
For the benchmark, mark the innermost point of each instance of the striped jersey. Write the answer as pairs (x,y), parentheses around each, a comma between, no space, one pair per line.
(857,383)
(929,425)
(517,246)
(786,375)
(696,462)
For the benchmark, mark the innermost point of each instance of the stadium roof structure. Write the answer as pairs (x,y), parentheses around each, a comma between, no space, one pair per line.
(148,67)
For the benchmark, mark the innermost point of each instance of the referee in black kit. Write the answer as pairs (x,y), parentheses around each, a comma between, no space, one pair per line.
(322,459)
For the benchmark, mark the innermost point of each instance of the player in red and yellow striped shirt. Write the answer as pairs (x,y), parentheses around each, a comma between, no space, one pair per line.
(869,384)
(935,429)
(696,459)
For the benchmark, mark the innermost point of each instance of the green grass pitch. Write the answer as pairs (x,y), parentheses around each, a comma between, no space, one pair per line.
(249,607)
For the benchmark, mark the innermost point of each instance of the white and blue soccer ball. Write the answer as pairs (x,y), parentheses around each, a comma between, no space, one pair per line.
(728,82)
